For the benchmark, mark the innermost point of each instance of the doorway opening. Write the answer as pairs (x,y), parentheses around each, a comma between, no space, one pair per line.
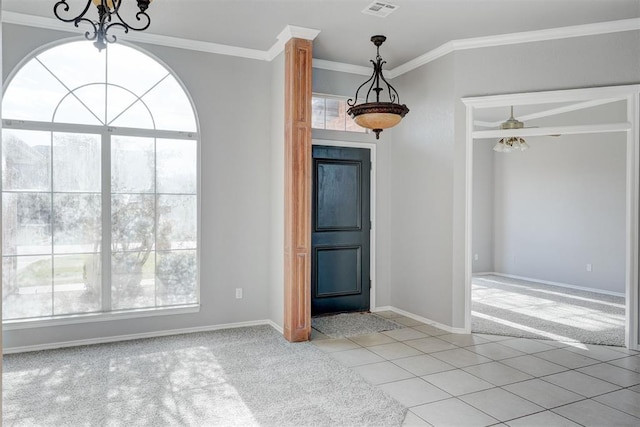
(343,230)
(552,234)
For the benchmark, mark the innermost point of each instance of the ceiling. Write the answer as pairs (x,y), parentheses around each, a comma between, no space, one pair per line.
(415,28)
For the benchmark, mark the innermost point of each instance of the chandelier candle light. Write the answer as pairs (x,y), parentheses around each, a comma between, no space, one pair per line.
(108,16)
(377,115)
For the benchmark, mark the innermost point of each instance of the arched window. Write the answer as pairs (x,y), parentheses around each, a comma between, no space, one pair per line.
(99,185)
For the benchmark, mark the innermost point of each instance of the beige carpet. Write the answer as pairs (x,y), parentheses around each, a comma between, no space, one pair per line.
(519,308)
(235,377)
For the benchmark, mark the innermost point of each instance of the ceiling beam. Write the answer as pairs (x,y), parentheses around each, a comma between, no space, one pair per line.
(551,112)
(552,130)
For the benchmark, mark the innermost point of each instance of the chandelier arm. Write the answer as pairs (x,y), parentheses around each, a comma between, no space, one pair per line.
(146,21)
(393,93)
(65,8)
(351,102)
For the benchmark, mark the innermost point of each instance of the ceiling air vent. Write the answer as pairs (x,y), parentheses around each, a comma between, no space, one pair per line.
(380,9)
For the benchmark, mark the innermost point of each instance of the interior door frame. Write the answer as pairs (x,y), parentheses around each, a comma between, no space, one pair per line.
(372,201)
(628,93)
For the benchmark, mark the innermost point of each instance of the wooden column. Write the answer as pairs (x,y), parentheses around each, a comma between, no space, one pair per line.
(297,196)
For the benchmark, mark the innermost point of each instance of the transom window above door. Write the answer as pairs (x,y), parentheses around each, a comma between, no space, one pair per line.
(99,186)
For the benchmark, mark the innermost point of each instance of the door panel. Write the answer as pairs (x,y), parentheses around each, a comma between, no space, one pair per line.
(340,230)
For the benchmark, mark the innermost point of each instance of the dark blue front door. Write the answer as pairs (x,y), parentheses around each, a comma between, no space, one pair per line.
(340,230)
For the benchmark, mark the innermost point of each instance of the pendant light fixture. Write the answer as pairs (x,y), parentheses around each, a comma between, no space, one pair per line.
(376,114)
(108,16)
(511,143)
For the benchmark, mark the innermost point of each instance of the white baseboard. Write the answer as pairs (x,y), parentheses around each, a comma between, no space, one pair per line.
(275,326)
(103,340)
(422,319)
(558,284)
(128,337)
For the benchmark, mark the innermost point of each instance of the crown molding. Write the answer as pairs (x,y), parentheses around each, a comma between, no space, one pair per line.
(291,31)
(421,60)
(598,28)
(341,67)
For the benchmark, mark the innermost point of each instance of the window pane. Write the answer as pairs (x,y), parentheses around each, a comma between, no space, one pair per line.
(71,110)
(76,284)
(317,112)
(26,287)
(132,165)
(26,223)
(177,164)
(135,116)
(33,94)
(132,223)
(177,222)
(75,64)
(336,114)
(170,106)
(353,127)
(26,160)
(76,162)
(132,280)
(176,274)
(77,223)
(94,97)
(120,100)
(124,64)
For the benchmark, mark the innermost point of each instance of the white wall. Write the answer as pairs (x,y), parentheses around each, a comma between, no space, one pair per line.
(560,206)
(235,116)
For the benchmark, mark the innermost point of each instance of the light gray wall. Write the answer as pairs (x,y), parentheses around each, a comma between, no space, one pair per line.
(560,206)
(483,185)
(428,170)
(276,188)
(605,60)
(421,193)
(234,111)
(345,84)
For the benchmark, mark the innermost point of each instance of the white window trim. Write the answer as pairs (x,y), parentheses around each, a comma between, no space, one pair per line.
(81,318)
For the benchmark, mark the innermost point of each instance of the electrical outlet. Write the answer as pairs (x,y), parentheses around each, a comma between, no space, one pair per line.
(475,257)
(238,293)
(589,269)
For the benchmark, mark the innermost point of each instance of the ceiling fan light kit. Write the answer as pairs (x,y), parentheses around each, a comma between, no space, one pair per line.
(512,143)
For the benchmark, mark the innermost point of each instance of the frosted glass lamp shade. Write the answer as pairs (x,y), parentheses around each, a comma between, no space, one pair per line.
(507,145)
(378,115)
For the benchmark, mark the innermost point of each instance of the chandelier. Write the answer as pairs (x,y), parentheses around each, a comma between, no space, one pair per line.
(108,16)
(377,115)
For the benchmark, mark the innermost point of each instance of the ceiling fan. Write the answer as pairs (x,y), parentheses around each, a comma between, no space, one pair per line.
(511,143)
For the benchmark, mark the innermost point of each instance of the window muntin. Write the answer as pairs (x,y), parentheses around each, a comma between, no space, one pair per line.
(69,197)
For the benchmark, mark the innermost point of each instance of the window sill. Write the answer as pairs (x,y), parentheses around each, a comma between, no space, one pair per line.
(75,319)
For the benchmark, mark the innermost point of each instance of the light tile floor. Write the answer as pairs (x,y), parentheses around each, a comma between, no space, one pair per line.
(481,380)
